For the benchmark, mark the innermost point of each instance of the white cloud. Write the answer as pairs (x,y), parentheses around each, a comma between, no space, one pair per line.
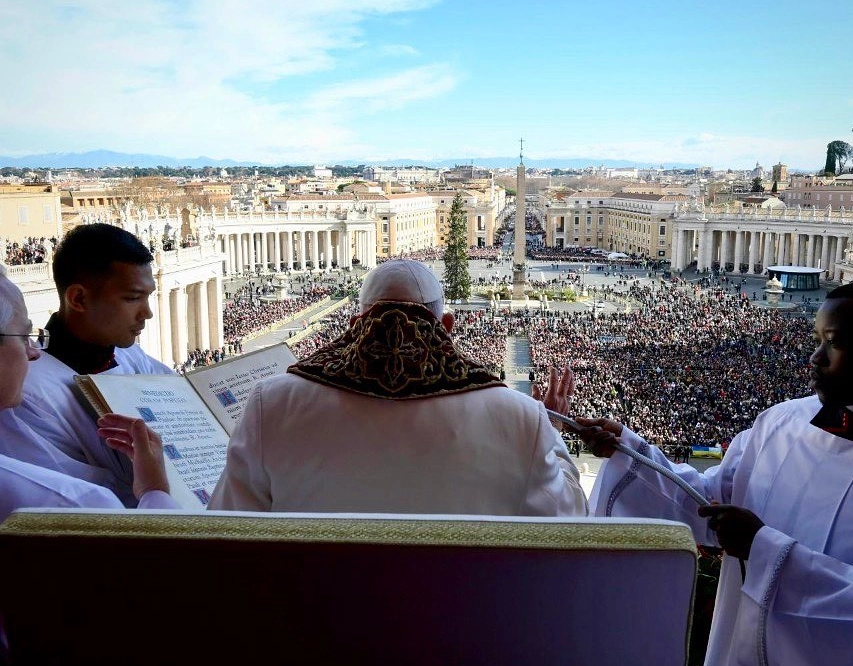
(399,50)
(206,76)
(389,92)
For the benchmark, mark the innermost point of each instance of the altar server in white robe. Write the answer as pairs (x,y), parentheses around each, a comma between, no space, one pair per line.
(23,484)
(785,509)
(104,279)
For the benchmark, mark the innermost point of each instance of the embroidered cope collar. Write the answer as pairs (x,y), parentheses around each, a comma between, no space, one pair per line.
(82,357)
(397,351)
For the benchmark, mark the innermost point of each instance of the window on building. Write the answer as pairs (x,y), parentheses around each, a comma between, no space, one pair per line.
(23,215)
(662,230)
(577,220)
(47,212)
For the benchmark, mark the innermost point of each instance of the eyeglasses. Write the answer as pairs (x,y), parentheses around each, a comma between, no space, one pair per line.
(38,338)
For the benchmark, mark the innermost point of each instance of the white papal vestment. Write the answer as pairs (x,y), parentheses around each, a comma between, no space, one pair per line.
(305,446)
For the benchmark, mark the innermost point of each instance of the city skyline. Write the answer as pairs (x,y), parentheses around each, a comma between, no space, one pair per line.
(425,80)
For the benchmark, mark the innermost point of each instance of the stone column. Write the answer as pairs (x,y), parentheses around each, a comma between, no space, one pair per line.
(288,249)
(371,247)
(253,253)
(676,249)
(165,314)
(264,249)
(346,248)
(768,249)
(724,249)
(303,248)
(277,250)
(753,250)
(780,249)
(703,242)
(214,311)
(810,251)
(709,248)
(315,251)
(238,247)
(223,246)
(839,257)
(824,254)
(738,260)
(327,248)
(202,318)
(179,314)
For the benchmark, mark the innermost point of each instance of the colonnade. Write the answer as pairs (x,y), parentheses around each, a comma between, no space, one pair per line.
(756,249)
(289,249)
(189,317)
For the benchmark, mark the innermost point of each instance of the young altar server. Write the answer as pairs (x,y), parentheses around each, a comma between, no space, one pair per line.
(785,509)
(104,279)
(23,484)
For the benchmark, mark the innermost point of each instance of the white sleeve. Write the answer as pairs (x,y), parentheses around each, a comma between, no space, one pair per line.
(157,499)
(553,483)
(804,600)
(626,487)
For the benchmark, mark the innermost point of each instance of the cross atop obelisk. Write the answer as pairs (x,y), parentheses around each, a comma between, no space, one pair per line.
(519,268)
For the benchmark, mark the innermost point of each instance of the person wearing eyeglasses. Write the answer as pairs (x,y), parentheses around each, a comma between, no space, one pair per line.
(104,279)
(24,484)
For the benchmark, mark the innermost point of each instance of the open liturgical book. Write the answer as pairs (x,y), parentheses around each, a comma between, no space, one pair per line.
(194,414)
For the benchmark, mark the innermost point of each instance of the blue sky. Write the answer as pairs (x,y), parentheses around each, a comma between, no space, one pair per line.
(721,83)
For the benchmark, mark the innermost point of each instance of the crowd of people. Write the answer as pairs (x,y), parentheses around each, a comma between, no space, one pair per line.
(489,253)
(684,368)
(200,358)
(28,251)
(245,317)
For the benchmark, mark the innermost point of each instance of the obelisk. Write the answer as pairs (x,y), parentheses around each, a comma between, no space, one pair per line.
(519,258)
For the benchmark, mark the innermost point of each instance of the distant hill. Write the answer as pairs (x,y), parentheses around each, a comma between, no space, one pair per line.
(105,158)
(96,159)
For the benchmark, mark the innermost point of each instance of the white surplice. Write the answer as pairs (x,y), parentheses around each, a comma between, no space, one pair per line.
(23,486)
(55,429)
(796,606)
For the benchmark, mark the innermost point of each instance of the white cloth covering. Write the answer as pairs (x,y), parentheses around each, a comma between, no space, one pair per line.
(52,427)
(796,606)
(23,485)
(303,446)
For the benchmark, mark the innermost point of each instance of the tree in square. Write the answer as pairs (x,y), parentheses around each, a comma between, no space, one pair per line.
(457,279)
